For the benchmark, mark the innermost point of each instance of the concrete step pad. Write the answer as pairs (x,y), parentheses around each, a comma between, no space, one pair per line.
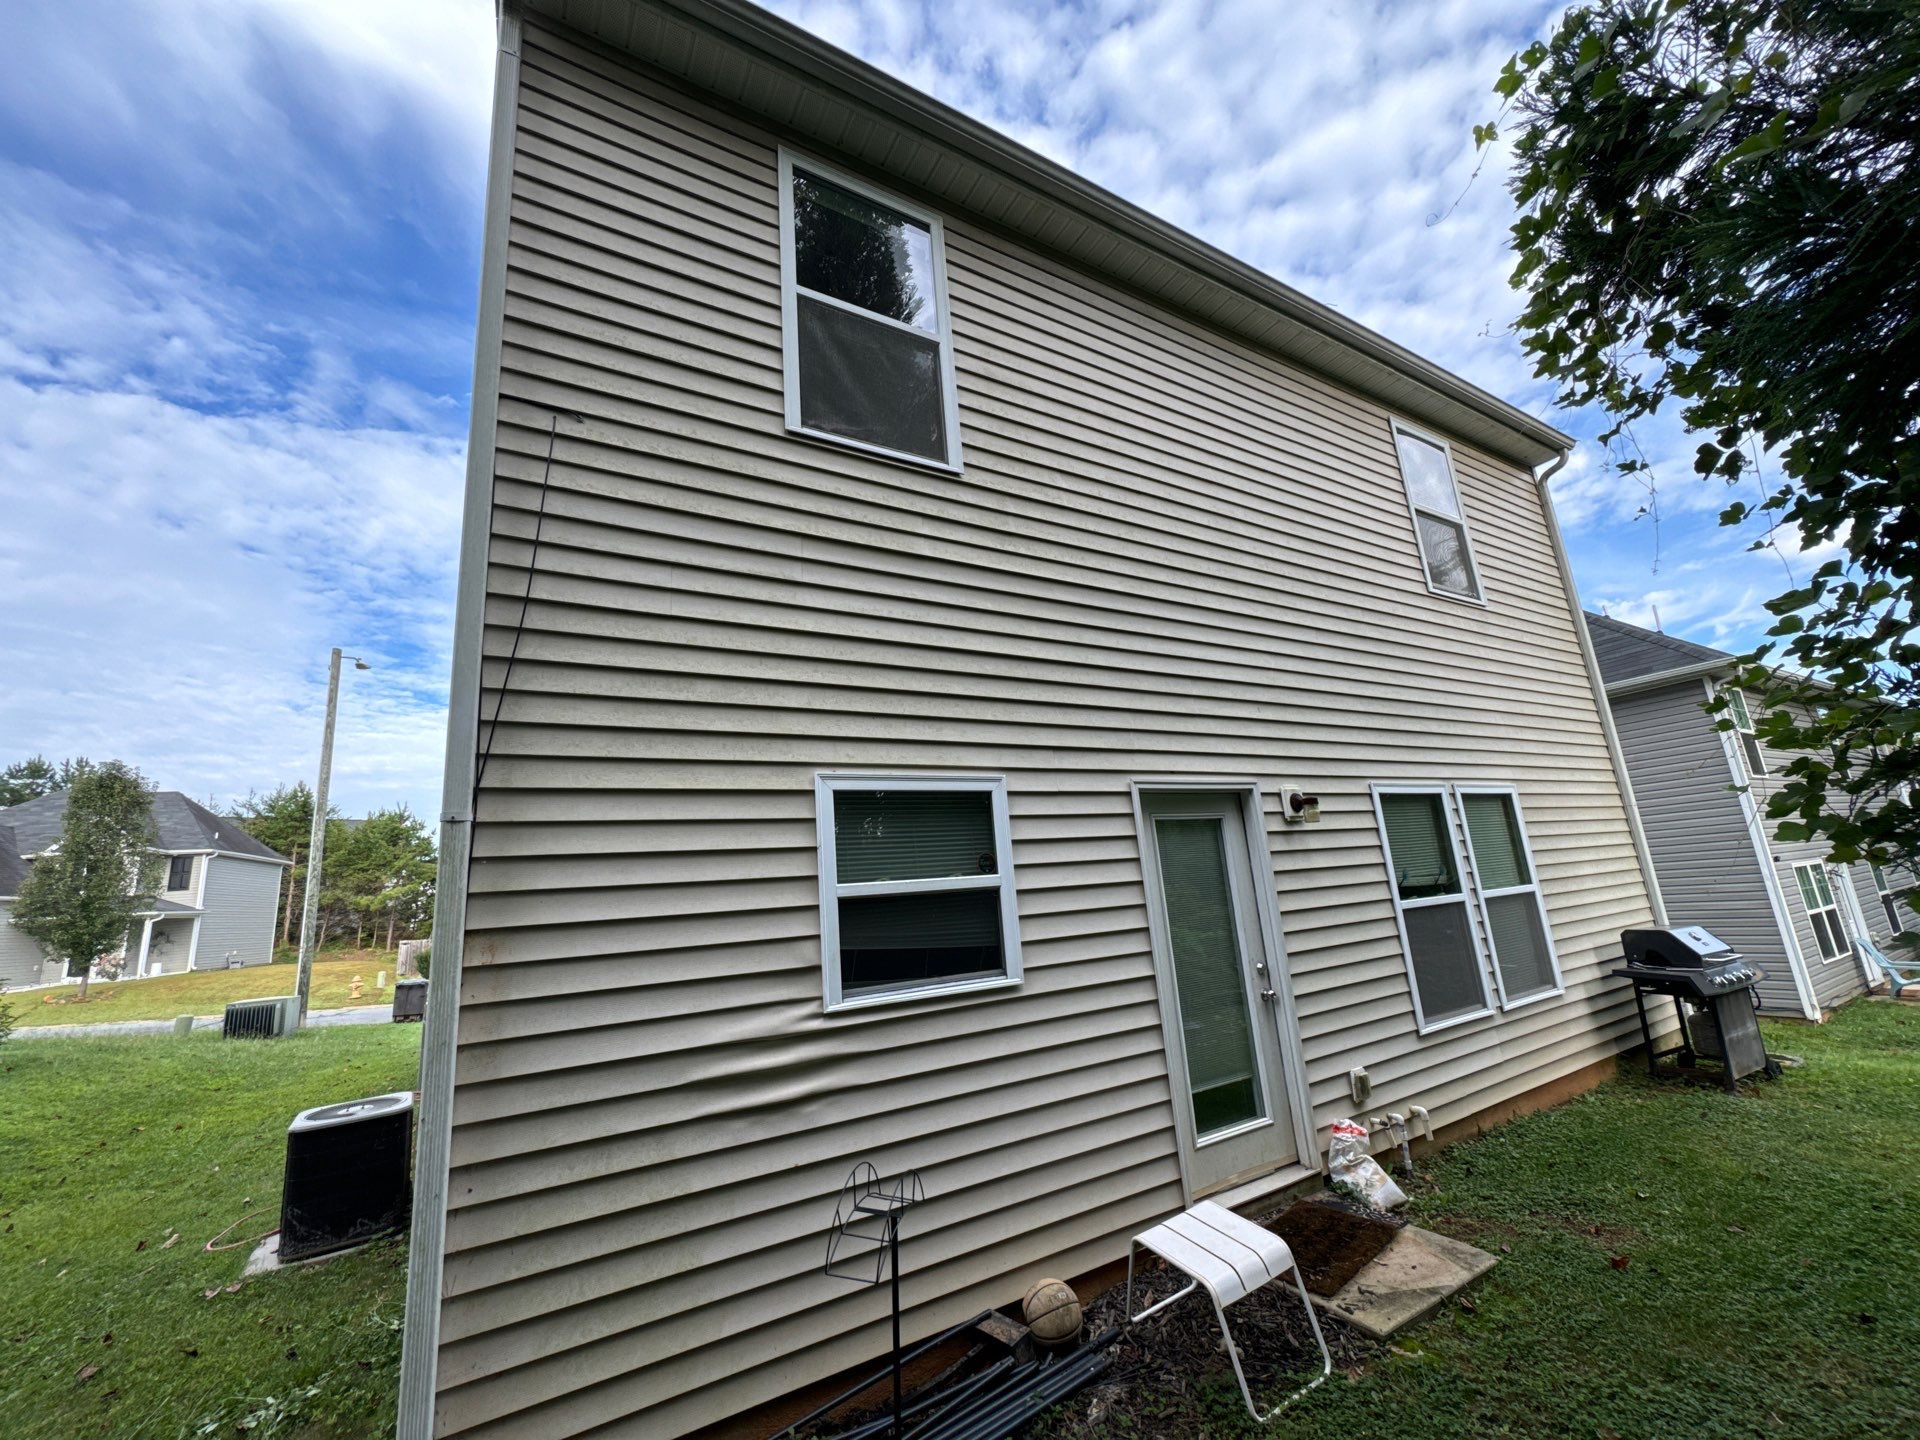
(1406,1282)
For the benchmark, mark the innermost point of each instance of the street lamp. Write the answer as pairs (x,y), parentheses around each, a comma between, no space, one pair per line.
(317,840)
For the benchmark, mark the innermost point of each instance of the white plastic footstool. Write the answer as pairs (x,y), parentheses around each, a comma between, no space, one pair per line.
(1232,1258)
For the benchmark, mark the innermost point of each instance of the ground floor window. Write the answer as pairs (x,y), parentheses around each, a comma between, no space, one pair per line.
(916,887)
(1816,892)
(1469,908)
(1889,901)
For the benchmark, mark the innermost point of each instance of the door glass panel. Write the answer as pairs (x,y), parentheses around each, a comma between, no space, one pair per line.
(1216,1028)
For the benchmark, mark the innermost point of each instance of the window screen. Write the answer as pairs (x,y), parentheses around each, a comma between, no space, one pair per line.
(1516,918)
(916,887)
(1823,913)
(1439,524)
(868,359)
(1441,950)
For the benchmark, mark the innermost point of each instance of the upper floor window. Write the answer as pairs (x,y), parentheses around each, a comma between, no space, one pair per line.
(916,886)
(869,358)
(1755,757)
(1438,521)
(180,873)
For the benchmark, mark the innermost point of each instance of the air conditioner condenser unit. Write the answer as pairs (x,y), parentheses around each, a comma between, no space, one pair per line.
(349,1175)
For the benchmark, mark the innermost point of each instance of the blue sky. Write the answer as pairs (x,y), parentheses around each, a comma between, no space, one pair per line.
(238,248)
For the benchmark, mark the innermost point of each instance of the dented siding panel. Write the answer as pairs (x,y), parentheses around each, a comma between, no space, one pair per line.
(1168,555)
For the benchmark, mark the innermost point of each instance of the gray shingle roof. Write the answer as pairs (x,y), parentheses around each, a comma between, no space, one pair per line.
(1626,652)
(12,868)
(179,824)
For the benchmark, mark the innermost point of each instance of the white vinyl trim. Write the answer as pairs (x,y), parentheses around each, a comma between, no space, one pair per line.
(1769,870)
(1532,887)
(833,997)
(1464,899)
(1399,427)
(791,290)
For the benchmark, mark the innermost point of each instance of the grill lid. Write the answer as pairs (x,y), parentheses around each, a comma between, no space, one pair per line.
(1684,947)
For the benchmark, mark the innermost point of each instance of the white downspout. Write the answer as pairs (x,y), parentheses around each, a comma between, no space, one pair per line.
(1655,902)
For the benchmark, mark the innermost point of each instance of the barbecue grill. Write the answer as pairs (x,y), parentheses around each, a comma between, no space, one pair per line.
(1714,995)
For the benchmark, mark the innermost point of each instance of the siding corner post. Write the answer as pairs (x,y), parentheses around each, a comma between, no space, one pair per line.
(1641,849)
(420,1338)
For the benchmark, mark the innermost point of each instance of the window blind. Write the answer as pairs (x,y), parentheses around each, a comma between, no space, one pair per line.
(1497,851)
(912,834)
(1422,855)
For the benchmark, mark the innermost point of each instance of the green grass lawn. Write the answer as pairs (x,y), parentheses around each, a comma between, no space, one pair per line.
(206,992)
(1676,1262)
(111,1146)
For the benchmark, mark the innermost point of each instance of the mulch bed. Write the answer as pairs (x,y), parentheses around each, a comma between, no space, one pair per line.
(1162,1366)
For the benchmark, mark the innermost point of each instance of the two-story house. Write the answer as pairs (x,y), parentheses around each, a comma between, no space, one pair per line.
(954,672)
(1702,793)
(216,906)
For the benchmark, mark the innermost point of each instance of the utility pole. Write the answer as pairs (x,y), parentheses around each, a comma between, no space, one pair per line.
(317,840)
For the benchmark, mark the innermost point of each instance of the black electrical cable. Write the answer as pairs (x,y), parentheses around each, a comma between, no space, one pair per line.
(526,599)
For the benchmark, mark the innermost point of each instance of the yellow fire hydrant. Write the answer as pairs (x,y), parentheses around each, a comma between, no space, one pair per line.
(354,987)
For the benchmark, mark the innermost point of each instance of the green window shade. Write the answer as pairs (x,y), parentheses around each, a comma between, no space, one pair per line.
(1495,832)
(1520,945)
(912,834)
(890,941)
(1440,941)
(1418,847)
(1737,707)
(1880,879)
(1813,887)
(1215,1028)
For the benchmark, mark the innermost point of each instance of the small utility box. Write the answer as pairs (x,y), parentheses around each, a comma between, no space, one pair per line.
(410,1000)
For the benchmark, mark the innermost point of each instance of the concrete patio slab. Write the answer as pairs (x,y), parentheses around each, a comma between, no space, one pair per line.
(1406,1282)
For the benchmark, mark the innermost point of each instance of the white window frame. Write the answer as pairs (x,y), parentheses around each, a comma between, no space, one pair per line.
(791,290)
(1399,427)
(825,785)
(1465,898)
(1889,900)
(1753,760)
(1831,909)
(1508,1003)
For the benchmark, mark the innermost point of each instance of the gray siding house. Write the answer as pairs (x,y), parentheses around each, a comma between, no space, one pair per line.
(216,908)
(1702,794)
(953,672)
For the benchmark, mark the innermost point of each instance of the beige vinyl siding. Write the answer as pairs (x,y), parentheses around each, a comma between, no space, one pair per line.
(1705,851)
(186,894)
(1168,556)
(241,899)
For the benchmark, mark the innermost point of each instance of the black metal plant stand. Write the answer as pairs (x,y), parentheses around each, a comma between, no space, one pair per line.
(864,1244)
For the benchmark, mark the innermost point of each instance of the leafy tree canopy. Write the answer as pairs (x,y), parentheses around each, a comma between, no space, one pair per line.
(1719,212)
(35,776)
(79,899)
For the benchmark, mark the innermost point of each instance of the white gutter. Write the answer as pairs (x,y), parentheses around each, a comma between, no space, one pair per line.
(1660,679)
(420,1340)
(1655,902)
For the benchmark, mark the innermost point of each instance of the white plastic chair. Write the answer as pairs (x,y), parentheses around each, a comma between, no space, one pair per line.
(1232,1258)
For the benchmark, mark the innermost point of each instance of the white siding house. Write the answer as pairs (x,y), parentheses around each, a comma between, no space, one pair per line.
(1702,794)
(952,672)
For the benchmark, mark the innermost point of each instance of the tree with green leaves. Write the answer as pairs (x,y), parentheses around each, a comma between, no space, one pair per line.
(1720,213)
(282,820)
(380,873)
(35,776)
(80,896)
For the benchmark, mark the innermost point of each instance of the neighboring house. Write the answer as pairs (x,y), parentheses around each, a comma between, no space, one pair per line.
(216,906)
(910,600)
(1702,794)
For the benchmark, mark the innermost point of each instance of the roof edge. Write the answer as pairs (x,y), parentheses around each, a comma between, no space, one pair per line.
(1659,679)
(748,27)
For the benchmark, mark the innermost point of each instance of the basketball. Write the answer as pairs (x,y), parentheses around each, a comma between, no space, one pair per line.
(1052,1312)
